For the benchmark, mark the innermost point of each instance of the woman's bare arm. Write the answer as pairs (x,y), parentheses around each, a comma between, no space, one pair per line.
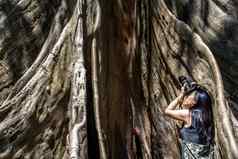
(183,114)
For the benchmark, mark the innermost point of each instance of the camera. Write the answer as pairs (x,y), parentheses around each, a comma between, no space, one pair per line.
(189,84)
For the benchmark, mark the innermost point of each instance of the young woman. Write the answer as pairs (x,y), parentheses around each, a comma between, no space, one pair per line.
(197,131)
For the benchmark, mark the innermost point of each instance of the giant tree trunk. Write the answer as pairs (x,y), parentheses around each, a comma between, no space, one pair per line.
(90,79)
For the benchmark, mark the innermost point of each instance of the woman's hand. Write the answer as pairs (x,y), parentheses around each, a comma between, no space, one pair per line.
(183,91)
(181,114)
(177,114)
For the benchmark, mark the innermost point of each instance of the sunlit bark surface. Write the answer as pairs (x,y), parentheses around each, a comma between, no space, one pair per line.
(91,79)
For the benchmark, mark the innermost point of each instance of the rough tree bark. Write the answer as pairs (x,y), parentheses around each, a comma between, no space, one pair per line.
(91,78)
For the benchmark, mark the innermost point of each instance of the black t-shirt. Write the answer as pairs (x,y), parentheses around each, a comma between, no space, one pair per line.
(201,129)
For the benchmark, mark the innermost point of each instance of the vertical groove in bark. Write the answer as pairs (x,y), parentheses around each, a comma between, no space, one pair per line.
(94,62)
(138,80)
(116,49)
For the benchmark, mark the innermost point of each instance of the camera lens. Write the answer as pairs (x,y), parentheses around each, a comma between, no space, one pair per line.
(188,83)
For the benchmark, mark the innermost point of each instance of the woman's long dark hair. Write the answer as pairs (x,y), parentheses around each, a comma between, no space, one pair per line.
(204,102)
(204,98)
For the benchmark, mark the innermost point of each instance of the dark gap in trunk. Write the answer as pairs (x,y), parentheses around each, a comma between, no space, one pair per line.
(93,145)
(92,137)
